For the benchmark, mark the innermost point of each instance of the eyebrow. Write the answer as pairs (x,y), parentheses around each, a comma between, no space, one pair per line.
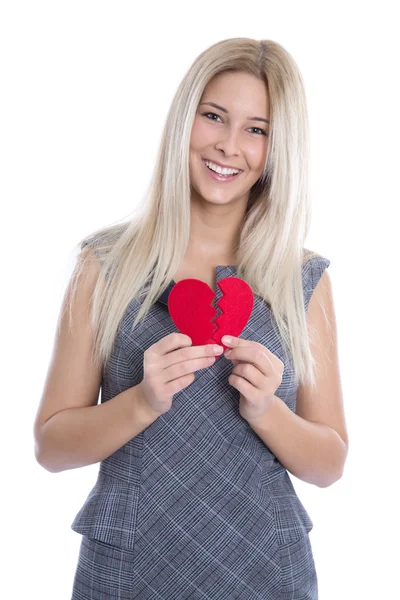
(225,111)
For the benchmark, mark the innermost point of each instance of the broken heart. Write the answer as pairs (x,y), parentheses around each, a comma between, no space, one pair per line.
(189,305)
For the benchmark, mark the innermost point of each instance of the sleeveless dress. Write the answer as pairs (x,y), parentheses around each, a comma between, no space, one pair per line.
(195,506)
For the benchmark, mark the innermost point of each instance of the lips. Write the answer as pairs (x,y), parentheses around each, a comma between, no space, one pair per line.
(218,178)
(220,165)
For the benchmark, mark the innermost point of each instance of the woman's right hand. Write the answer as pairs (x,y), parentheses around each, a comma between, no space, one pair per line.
(168,367)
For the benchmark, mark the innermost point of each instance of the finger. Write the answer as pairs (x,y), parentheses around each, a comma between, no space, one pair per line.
(189,354)
(169,343)
(182,369)
(231,342)
(251,373)
(242,385)
(257,357)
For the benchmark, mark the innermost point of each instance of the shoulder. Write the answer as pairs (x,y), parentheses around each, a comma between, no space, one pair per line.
(324,403)
(313,264)
(101,242)
(314,271)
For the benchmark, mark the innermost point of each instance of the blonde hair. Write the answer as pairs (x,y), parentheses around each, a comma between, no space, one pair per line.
(141,257)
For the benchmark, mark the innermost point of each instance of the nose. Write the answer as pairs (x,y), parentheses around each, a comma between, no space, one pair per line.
(228,143)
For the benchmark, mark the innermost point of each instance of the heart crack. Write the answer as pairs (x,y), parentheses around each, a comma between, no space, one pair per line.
(190,307)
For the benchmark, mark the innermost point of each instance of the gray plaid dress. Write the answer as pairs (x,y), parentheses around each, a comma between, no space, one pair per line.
(196,506)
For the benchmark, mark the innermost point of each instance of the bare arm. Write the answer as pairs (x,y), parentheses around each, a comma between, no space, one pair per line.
(313,442)
(313,452)
(76,437)
(71,430)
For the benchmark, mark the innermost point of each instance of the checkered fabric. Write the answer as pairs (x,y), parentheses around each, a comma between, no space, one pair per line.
(196,506)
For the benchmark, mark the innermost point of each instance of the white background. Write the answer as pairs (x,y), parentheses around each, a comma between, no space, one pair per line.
(85,88)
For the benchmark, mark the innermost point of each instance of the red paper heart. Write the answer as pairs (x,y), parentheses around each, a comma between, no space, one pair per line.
(189,304)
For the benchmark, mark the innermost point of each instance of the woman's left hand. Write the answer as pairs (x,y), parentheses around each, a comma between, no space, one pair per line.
(257,374)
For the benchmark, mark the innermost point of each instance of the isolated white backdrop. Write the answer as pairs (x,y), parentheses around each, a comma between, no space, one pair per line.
(85,88)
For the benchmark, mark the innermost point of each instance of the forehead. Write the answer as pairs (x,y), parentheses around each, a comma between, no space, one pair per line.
(238,92)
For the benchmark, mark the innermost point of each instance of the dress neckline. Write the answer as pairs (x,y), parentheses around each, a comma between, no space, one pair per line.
(229,269)
(218,269)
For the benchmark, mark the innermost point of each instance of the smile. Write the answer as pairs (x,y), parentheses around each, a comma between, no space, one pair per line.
(220,174)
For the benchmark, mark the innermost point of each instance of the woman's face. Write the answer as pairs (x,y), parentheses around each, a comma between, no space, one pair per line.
(233,134)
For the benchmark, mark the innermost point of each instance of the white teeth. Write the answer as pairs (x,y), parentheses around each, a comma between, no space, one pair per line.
(220,170)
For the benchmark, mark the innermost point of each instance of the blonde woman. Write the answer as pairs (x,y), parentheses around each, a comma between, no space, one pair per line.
(193,497)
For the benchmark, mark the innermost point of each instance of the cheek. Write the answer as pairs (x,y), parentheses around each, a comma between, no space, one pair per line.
(200,136)
(257,157)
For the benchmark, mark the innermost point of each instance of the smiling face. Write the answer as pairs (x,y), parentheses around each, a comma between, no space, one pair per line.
(233,134)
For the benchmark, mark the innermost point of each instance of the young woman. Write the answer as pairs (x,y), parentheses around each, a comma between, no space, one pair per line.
(193,497)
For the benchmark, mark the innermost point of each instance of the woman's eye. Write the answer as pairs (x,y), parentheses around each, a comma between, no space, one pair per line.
(215,115)
(262,130)
(210,113)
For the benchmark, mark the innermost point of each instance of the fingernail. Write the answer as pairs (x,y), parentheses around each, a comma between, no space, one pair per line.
(226,339)
(218,349)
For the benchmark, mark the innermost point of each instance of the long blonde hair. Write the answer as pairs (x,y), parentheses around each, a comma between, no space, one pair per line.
(141,257)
